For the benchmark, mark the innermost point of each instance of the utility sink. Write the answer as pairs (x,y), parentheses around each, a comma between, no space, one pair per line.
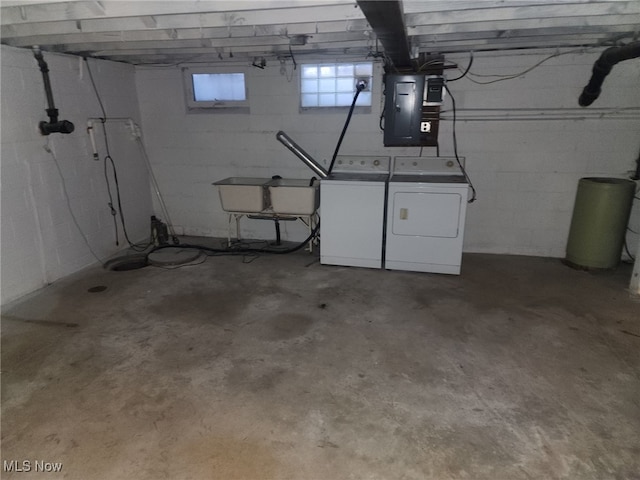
(281,196)
(293,196)
(243,194)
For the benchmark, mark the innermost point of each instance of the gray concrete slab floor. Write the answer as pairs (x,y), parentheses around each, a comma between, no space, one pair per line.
(282,368)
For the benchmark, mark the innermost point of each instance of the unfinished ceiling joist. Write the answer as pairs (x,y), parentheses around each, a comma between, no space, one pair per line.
(386,17)
(141,32)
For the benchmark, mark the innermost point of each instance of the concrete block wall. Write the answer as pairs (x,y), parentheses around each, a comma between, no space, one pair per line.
(526,172)
(40,240)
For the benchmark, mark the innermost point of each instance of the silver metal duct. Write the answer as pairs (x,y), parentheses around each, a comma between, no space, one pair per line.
(301,154)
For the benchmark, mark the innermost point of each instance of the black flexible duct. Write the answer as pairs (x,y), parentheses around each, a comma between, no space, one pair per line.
(53,125)
(359,87)
(603,66)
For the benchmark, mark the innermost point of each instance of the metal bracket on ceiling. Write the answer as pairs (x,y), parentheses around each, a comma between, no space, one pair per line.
(298,40)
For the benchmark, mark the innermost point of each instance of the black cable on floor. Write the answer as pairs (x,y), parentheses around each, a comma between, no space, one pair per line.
(242,251)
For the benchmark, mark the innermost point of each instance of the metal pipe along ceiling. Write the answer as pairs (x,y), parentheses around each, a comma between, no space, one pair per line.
(386,18)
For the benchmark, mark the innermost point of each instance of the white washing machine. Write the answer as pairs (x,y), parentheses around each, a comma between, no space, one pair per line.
(426,211)
(352,207)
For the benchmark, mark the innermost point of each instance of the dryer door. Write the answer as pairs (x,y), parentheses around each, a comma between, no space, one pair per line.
(427,214)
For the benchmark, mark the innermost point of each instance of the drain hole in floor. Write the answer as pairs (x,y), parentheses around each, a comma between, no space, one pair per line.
(126,263)
(97,289)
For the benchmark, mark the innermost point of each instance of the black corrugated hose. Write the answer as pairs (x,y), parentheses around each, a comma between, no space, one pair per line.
(361,86)
(242,251)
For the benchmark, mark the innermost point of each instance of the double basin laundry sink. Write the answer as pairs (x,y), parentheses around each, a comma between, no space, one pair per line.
(280,196)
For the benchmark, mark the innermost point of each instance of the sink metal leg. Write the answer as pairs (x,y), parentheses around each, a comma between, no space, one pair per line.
(237,217)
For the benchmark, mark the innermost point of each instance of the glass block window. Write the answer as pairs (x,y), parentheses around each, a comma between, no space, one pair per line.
(334,84)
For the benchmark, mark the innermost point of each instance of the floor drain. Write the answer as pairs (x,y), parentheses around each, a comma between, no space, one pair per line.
(127,262)
(97,289)
(174,256)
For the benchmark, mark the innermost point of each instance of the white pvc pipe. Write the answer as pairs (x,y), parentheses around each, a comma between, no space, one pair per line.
(93,140)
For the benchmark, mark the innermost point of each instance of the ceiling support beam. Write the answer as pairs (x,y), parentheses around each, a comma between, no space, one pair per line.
(386,18)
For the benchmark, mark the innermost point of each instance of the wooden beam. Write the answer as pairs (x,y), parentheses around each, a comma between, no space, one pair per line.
(84,10)
(524,13)
(10,38)
(420,6)
(386,17)
(533,33)
(515,25)
(506,44)
(169,44)
(251,50)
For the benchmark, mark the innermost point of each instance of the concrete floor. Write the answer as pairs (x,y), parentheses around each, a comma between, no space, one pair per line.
(282,368)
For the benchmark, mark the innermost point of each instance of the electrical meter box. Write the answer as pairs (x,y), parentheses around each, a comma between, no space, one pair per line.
(403,109)
(433,90)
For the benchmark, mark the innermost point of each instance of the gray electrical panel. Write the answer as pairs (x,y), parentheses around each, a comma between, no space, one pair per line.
(403,109)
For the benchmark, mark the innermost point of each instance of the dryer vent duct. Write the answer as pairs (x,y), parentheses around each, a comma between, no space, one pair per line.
(53,125)
(297,150)
(603,66)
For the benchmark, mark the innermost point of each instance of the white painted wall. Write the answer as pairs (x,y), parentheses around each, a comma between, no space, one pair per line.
(526,172)
(40,241)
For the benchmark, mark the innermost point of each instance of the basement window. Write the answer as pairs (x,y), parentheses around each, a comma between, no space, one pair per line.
(325,85)
(207,89)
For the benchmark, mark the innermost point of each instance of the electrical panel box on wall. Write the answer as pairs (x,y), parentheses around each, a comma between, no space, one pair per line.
(403,109)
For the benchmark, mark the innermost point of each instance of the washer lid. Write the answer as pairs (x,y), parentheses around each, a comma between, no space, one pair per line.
(357,177)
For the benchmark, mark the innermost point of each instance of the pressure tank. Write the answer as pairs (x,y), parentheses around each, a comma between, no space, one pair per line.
(599,222)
